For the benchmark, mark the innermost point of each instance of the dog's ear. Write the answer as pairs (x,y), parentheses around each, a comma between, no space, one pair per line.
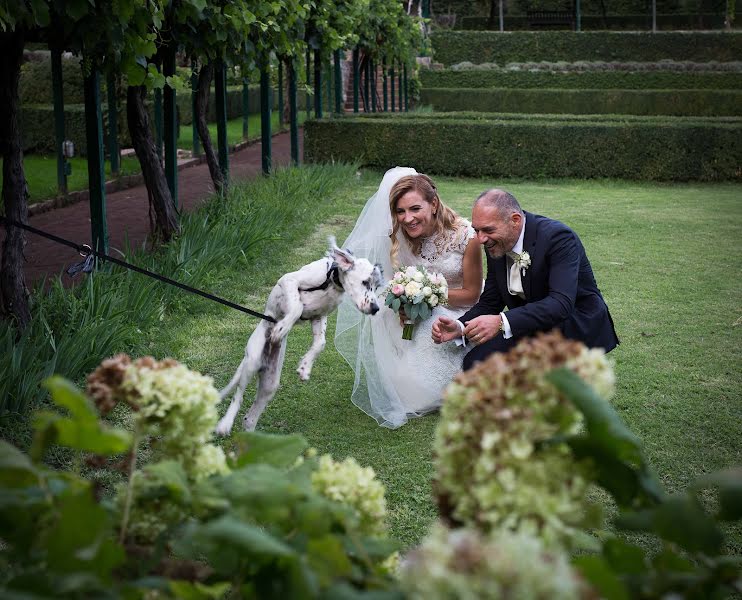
(343,258)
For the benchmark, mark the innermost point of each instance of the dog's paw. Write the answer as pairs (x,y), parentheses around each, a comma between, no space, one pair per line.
(304,372)
(223,427)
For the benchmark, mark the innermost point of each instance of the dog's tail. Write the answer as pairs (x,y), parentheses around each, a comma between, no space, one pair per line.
(224,392)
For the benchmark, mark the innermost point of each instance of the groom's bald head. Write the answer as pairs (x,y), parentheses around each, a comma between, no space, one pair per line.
(503,202)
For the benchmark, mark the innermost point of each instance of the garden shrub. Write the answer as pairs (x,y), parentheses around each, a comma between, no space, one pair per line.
(35,84)
(451,47)
(701,103)
(492,145)
(585,80)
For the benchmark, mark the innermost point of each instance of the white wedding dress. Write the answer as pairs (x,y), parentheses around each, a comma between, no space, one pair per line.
(396,379)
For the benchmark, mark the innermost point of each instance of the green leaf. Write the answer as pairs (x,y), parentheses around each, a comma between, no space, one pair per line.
(396,304)
(729,484)
(327,557)
(81,538)
(65,394)
(599,574)
(679,519)
(16,468)
(168,476)
(623,557)
(241,536)
(268,448)
(187,590)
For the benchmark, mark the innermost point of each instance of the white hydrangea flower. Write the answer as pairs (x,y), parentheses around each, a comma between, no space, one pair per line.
(462,563)
(418,276)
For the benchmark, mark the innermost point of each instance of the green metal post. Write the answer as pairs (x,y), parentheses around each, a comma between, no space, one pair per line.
(280,93)
(406,90)
(374,108)
(391,81)
(194,129)
(355,79)
(113,126)
(317,85)
(171,127)
(308,74)
(220,95)
(384,84)
(425,9)
(158,122)
(96,166)
(338,84)
(57,90)
(578,16)
(293,113)
(245,109)
(265,117)
(367,88)
(328,85)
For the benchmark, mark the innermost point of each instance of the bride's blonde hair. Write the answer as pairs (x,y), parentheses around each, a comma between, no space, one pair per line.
(443,216)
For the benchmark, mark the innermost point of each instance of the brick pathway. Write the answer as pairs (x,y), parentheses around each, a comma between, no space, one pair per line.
(127,211)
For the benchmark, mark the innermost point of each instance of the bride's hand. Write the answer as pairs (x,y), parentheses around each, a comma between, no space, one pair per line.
(402,317)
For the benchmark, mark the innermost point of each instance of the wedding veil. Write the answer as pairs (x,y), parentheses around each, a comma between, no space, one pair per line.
(370,344)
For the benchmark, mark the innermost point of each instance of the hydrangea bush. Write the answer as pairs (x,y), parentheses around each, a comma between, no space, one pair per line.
(463,563)
(498,459)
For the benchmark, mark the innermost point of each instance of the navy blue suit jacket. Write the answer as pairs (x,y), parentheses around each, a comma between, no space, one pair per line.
(559,287)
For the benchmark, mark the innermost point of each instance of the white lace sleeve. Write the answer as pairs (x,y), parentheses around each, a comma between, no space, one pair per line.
(464,233)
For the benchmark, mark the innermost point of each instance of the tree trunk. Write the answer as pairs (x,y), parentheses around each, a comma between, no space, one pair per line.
(166,217)
(205,75)
(13,294)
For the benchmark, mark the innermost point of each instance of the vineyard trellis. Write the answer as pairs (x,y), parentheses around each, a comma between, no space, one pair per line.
(139,42)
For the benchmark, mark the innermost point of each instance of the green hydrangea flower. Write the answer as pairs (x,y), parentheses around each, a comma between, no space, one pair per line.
(492,468)
(355,486)
(463,563)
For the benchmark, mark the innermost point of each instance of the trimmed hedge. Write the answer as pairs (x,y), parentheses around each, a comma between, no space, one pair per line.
(667,22)
(451,47)
(585,80)
(701,103)
(35,83)
(642,149)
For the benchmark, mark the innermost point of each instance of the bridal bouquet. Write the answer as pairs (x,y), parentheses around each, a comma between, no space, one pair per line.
(416,291)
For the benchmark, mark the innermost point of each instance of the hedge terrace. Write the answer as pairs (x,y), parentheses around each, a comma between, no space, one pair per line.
(495,145)
(452,47)
(586,80)
(702,103)
(613,21)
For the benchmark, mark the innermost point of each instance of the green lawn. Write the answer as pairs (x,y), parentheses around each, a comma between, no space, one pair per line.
(41,175)
(41,171)
(665,258)
(234,130)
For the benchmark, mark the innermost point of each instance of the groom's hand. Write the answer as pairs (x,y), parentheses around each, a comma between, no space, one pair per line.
(483,328)
(445,330)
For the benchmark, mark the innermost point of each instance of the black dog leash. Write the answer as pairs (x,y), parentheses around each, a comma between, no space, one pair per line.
(86,266)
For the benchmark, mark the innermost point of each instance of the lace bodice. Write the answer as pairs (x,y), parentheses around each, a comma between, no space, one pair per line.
(444,252)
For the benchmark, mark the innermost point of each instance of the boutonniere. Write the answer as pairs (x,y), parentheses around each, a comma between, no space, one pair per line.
(523,260)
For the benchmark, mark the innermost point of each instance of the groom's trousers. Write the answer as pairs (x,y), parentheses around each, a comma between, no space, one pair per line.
(481,352)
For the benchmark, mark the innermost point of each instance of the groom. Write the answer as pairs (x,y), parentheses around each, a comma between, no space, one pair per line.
(536,267)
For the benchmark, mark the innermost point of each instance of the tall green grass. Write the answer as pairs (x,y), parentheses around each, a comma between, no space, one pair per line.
(117,310)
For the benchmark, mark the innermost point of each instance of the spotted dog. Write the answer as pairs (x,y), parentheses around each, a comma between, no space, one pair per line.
(309,294)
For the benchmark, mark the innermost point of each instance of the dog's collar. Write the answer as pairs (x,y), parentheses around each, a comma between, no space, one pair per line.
(333,276)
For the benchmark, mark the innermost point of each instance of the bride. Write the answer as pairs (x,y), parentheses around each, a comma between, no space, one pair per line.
(405,223)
